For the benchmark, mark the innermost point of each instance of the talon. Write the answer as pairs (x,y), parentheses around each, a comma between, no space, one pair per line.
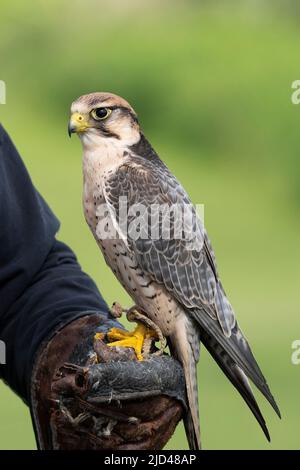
(117,333)
(99,336)
(134,339)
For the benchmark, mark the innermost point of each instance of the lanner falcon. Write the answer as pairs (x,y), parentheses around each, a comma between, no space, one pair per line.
(173,279)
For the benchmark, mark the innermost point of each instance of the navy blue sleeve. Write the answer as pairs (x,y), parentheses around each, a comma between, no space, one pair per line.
(42,286)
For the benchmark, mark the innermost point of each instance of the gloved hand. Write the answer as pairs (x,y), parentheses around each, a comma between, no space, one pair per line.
(117,403)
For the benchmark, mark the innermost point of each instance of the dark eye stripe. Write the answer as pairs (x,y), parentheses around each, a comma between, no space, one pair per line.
(108,133)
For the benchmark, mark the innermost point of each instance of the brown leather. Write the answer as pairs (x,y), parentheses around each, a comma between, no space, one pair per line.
(68,415)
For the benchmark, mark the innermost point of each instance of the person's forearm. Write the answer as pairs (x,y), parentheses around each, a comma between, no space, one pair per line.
(59,293)
(27,227)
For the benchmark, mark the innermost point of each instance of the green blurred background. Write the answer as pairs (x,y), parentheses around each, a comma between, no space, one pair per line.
(211,82)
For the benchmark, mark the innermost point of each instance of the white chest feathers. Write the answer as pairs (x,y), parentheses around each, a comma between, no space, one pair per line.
(99,163)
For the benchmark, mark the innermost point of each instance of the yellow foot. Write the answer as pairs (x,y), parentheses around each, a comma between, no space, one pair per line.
(134,339)
(99,335)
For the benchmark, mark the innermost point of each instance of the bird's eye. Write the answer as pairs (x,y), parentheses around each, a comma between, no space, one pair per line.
(101,113)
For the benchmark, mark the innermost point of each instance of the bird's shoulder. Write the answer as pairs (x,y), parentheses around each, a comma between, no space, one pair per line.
(146,179)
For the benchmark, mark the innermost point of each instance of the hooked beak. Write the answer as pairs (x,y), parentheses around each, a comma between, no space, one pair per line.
(78,123)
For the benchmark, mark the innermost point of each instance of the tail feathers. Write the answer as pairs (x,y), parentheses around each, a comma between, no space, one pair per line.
(235,348)
(237,378)
(243,386)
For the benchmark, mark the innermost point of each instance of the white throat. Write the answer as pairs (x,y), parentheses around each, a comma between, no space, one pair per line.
(101,155)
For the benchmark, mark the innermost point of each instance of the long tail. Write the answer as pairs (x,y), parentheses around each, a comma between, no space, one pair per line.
(235,358)
(236,376)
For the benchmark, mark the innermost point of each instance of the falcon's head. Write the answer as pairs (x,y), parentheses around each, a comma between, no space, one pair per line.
(100,118)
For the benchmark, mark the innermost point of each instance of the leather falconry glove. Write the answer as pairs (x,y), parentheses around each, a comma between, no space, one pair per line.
(87,395)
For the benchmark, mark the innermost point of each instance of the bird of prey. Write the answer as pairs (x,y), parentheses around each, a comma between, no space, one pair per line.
(174,281)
